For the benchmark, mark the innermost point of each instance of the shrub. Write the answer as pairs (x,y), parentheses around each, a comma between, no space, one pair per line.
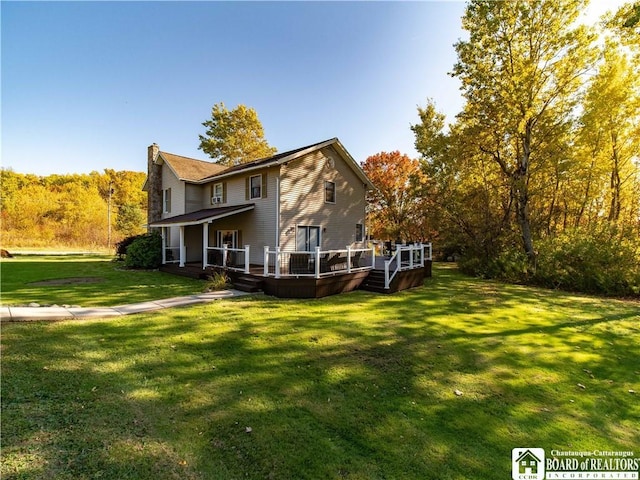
(604,260)
(122,245)
(145,252)
(217,281)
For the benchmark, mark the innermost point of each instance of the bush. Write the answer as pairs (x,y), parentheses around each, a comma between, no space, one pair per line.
(217,281)
(145,252)
(604,260)
(122,245)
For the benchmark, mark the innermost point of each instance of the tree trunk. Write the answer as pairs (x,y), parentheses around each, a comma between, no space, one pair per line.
(522,194)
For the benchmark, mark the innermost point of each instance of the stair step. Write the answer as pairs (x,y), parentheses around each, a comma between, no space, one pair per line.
(248,284)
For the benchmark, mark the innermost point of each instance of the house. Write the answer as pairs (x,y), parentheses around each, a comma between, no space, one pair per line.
(299,214)
(528,463)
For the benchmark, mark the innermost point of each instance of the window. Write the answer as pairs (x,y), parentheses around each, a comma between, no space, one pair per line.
(255,187)
(307,238)
(217,193)
(227,237)
(359,232)
(329,192)
(166,200)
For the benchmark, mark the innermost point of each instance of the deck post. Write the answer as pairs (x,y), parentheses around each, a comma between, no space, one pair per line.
(205,245)
(163,234)
(246,258)
(317,264)
(277,262)
(386,273)
(348,258)
(373,257)
(421,254)
(412,251)
(183,252)
(225,253)
(266,261)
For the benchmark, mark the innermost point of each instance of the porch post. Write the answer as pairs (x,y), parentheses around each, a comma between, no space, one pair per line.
(225,252)
(205,245)
(386,273)
(317,265)
(163,234)
(412,251)
(278,262)
(348,258)
(246,258)
(183,252)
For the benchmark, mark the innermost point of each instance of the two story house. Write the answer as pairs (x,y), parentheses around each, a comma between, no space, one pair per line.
(308,199)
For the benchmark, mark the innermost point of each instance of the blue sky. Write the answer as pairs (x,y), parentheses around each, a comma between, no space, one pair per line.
(89,85)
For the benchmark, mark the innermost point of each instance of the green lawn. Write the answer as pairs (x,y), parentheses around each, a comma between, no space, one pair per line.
(356,386)
(111,283)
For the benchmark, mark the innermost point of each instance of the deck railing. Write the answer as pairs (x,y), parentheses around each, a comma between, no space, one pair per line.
(226,257)
(171,255)
(316,264)
(406,257)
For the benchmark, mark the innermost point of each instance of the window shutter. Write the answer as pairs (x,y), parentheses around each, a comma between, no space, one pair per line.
(168,200)
(247,186)
(213,189)
(224,192)
(264,185)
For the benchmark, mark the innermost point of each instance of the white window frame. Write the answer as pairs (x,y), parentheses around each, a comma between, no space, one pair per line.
(222,234)
(258,188)
(217,196)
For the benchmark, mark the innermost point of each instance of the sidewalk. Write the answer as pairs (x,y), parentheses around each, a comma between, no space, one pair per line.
(27,314)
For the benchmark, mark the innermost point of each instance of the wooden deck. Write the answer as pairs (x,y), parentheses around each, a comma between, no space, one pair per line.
(308,286)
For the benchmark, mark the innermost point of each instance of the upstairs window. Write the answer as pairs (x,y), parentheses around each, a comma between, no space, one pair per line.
(255,187)
(329,192)
(217,194)
(166,200)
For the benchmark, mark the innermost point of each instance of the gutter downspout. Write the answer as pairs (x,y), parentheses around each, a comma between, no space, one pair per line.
(278,207)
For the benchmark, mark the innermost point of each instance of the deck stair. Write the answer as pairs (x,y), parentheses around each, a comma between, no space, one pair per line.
(374,282)
(248,284)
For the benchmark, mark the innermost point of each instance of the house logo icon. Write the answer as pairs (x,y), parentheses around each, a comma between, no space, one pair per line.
(527,464)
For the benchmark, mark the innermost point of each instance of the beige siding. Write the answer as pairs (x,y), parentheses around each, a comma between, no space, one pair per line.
(169,180)
(256,228)
(303,202)
(192,198)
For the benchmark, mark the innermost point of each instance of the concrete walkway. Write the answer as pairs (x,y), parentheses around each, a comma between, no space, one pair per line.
(27,314)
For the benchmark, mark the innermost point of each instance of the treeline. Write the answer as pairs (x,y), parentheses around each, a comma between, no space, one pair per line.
(71,210)
(537,180)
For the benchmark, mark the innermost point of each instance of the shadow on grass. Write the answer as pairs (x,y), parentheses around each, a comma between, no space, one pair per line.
(356,386)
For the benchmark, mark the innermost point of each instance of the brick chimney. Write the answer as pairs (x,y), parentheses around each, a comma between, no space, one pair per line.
(154,185)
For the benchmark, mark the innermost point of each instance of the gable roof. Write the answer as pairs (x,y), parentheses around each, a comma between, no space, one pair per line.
(200,171)
(527,454)
(280,158)
(190,169)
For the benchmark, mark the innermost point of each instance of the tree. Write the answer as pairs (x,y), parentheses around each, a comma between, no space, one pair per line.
(611,131)
(234,136)
(396,203)
(521,71)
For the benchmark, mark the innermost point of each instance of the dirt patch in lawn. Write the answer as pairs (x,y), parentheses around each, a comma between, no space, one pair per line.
(67,281)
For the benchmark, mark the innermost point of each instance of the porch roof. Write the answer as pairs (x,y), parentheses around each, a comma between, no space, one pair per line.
(202,216)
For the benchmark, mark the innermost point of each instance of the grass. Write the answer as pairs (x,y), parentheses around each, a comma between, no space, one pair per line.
(356,386)
(114,285)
